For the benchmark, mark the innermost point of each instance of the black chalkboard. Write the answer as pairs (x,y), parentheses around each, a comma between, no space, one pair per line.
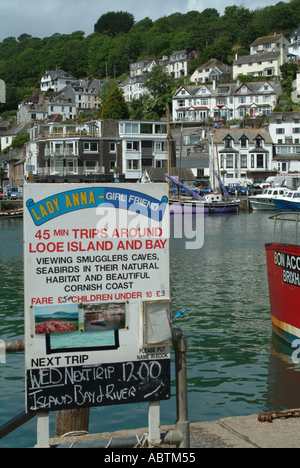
(57,388)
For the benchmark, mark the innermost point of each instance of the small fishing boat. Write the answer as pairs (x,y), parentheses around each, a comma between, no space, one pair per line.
(212,203)
(264,201)
(283,268)
(100,322)
(8,214)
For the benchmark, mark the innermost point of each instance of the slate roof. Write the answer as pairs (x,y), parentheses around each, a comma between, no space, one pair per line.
(237,134)
(266,39)
(256,58)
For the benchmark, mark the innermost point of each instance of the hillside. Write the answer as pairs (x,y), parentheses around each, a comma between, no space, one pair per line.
(23,60)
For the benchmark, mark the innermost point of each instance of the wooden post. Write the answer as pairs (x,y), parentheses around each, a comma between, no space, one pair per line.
(71,420)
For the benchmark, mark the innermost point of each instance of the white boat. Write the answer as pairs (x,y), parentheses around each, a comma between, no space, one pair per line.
(264,201)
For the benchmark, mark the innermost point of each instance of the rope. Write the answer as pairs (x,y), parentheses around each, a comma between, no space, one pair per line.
(75,433)
(145,441)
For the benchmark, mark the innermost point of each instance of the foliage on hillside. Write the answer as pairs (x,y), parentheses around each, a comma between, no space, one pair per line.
(24,60)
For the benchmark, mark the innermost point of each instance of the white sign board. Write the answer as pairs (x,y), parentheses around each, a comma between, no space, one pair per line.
(96,276)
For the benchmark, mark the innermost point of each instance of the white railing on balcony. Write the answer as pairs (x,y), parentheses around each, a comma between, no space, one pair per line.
(46,171)
(63,152)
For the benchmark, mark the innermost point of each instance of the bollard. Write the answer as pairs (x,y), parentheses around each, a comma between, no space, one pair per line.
(182,424)
(73,420)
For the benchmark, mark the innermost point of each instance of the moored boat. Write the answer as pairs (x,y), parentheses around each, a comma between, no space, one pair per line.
(212,203)
(8,214)
(209,204)
(290,201)
(100,322)
(264,201)
(283,268)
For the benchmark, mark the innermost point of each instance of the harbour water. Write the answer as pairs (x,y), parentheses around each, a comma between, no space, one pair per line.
(235,365)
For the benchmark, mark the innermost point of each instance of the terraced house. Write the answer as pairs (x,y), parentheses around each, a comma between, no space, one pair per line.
(225,101)
(242,153)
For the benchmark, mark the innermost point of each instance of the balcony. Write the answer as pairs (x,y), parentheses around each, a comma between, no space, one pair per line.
(64,171)
(61,153)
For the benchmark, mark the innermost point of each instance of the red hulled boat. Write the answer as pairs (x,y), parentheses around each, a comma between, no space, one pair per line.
(283,267)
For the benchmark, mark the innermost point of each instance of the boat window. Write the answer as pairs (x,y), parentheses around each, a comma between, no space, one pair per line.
(275,192)
(269,192)
(281,192)
(290,194)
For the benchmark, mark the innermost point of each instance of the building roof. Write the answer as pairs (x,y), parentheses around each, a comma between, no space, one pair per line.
(266,39)
(236,134)
(214,63)
(256,58)
(232,88)
(58,73)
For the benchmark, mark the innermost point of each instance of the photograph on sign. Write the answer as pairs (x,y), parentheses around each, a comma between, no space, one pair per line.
(56,318)
(104,317)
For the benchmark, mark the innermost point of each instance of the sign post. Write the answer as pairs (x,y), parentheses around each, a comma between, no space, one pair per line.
(97,295)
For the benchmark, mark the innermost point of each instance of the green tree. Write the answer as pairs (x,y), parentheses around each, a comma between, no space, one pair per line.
(115,106)
(113,23)
(106,89)
(159,82)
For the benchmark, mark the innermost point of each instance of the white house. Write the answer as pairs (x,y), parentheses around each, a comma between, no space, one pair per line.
(179,62)
(294,46)
(210,71)
(56,80)
(133,87)
(144,146)
(296,86)
(267,54)
(225,101)
(243,154)
(284,128)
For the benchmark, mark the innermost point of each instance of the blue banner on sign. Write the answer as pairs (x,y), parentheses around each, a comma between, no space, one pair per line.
(79,199)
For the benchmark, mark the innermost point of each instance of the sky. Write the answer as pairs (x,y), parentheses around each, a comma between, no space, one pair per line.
(45,18)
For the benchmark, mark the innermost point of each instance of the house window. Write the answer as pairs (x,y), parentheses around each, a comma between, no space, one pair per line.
(243,161)
(146,128)
(244,142)
(258,142)
(90,147)
(229,161)
(260,161)
(132,164)
(112,147)
(132,145)
(131,128)
(228,142)
(280,131)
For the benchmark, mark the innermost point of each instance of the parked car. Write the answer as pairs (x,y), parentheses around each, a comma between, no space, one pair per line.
(232,188)
(14,193)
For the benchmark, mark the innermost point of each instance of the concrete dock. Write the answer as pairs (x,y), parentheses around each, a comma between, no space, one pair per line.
(235,432)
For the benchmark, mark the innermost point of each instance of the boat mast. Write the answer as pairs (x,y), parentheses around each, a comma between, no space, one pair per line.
(168,145)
